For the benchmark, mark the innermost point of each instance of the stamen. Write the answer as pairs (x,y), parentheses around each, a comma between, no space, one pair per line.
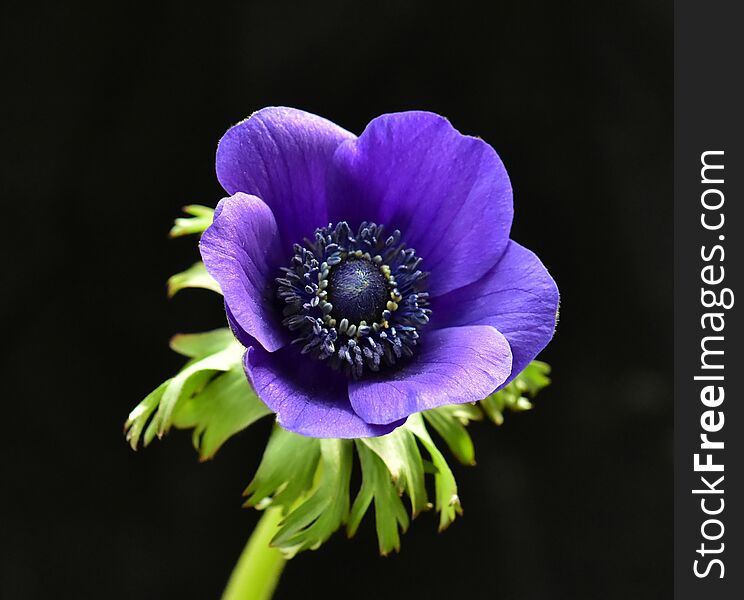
(355,301)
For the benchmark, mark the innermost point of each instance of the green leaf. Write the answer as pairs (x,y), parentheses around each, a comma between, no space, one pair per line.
(195,276)
(286,471)
(224,407)
(212,352)
(312,522)
(449,422)
(494,407)
(137,419)
(399,452)
(191,379)
(202,217)
(445,487)
(534,377)
(199,345)
(530,381)
(390,513)
(308,478)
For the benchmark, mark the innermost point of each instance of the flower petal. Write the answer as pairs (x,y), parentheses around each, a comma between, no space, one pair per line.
(282,155)
(241,250)
(449,194)
(240,334)
(518,297)
(307,397)
(451,366)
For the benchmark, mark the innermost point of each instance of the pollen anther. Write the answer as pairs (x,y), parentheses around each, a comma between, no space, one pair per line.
(345,305)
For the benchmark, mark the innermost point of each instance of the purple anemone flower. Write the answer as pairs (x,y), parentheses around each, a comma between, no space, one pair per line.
(371,277)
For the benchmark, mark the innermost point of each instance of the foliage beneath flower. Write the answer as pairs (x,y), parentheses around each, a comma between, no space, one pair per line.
(195,276)
(515,396)
(310,523)
(379,486)
(201,218)
(209,395)
(308,478)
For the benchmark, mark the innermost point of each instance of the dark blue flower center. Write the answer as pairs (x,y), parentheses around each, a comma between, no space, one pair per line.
(356,300)
(358,291)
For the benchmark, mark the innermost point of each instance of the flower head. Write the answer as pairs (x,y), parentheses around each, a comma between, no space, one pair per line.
(371,277)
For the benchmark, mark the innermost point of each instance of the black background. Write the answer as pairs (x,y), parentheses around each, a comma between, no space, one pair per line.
(110,119)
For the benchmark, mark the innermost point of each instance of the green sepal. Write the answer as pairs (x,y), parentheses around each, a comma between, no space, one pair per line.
(390,512)
(286,471)
(311,523)
(195,276)
(201,218)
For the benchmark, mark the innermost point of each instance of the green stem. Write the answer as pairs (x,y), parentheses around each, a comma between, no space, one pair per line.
(259,567)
